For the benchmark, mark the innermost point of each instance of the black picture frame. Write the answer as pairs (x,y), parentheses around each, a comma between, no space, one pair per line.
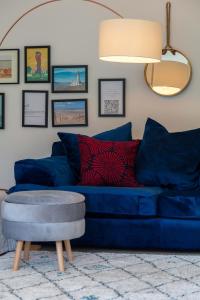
(46,96)
(84,124)
(69,89)
(2,115)
(123,97)
(17,72)
(26,48)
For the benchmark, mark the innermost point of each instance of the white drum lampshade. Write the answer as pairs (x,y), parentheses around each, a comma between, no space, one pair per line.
(130,41)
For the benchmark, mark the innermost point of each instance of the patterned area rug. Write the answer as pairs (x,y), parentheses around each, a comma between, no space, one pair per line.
(102,276)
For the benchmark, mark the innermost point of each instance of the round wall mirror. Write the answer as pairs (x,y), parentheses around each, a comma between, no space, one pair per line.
(171,76)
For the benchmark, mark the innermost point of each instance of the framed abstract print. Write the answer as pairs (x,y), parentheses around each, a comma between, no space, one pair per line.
(70,79)
(2,111)
(112,97)
(66,113)
(37,64)
(9,66)
(34,108)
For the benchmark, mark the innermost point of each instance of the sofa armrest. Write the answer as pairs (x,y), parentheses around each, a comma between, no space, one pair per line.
(50,171)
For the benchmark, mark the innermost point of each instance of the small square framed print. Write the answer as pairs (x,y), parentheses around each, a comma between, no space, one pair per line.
(68,113)
(70,79)
(37,64)
(112,97)
(9,66)
(2,111)
(34,108)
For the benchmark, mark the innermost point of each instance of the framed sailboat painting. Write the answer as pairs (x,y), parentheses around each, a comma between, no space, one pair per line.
(70,79)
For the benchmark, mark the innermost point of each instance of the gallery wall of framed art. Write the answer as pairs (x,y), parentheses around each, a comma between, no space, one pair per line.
(64,79)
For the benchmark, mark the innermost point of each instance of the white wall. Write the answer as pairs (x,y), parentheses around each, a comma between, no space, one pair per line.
(71,28)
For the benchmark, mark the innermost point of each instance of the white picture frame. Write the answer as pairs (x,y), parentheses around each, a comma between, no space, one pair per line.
(34,108)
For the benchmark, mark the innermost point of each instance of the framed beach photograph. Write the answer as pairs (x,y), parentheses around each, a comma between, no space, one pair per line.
(66,113)
(9,66)
(2,111)
(112,97)
(34,108)
(37,64)
(70,79)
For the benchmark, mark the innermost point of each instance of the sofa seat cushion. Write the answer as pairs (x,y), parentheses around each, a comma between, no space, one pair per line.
(174,204)
(113,201)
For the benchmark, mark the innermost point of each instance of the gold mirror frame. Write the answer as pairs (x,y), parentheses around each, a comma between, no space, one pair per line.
(169,48)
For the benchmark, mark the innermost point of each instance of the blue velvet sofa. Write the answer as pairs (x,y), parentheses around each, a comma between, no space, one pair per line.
(149,217)
(134,218)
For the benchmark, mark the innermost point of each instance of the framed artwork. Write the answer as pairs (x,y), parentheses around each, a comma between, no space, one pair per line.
(66,113)
(9,66)
(70,79)
(37,64)
(112,97)
(2,111)
(34,108)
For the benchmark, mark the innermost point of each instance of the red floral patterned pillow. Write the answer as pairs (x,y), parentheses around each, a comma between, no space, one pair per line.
(106,163)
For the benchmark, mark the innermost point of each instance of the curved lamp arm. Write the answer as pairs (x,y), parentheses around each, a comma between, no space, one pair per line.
(49,2)
(106,7)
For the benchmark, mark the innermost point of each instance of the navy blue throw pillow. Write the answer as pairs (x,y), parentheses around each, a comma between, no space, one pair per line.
(169,159)
(71,143)
(50,171)
(119,134)
(57,149)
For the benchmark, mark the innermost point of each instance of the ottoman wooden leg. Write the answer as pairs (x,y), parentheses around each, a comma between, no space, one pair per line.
(59,249)
(17,255)
(69,250)
(27,247)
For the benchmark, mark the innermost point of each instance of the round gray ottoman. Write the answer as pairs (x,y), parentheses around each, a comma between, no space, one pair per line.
(35,216)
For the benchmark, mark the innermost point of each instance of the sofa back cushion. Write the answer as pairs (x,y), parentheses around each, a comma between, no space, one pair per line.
(105,163)
(120,134)
(71,144)
(169,159)
(58,149)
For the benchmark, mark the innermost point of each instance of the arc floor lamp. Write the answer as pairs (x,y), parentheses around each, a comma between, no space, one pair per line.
(120,40)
